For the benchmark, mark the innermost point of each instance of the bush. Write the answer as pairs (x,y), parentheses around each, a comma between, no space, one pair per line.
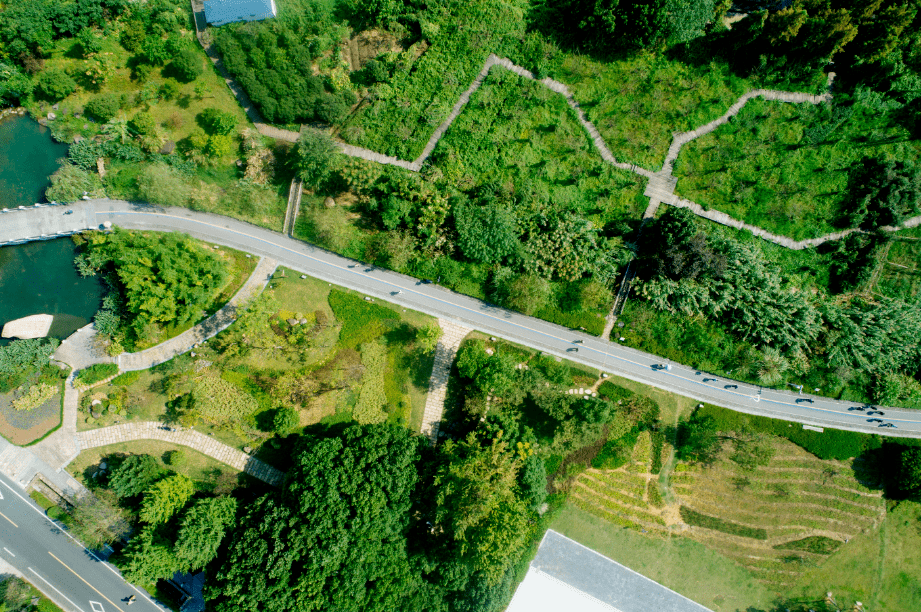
(820,545)
(187,66)
(175,458)
(55,513)
(143,123)
(221,145)
(36,396)
(616,453)
(314,157)
(103,108)
(216,121)
(285,420)
(55,84)
(697,519)
(830,444)
(160,184)
(123,380)
(95,373)
(69,183)
(658,442)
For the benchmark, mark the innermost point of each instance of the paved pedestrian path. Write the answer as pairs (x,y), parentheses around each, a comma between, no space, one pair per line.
(209,328)
(447,347)
(150,430)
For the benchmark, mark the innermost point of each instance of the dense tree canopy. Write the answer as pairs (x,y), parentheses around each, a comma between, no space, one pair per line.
(882,192)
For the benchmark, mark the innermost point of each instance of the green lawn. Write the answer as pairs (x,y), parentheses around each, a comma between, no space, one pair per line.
(683,565)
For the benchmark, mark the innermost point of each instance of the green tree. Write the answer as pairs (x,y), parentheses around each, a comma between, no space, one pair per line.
(216,121)
(148,557)
(314,157)
(335,538)
(204,525)
(909,473)
(89,42)
(698,440)
(165,498)
(55,84)
(96,523)
(14,85)
(486,233)
(427,337)
(882,192)
(187,66)
(103,107)
(221,145)
(16,595)
(117,129)
(476,505)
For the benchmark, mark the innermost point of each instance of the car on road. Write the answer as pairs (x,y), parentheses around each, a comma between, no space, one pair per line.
(887,425)
(69,212)
(424,281)
(804,400)
(860,408)
(731,387)
(874,420)
(879,412)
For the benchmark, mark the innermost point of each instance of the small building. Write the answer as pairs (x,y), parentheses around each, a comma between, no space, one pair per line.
(222,12)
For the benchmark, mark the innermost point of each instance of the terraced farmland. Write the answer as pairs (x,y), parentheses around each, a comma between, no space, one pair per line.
(808,508)
(777,522)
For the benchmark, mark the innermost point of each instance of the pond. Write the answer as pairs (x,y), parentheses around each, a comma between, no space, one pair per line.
(28,156)
(38,277)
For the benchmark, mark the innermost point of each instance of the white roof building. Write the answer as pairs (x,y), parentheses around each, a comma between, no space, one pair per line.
(222,12)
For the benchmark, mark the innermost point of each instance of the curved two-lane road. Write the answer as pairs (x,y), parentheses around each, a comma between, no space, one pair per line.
(550,338)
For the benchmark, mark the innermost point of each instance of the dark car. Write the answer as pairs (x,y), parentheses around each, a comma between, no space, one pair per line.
(731,387)
(424,281)
(879,412)
(860,408)
(874,420)
(69,212)
(887,425)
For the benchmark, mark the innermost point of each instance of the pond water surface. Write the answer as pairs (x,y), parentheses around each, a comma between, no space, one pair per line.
(38,277)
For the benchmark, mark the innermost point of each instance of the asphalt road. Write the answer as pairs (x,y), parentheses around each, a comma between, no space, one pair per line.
(71,576)
(547,337)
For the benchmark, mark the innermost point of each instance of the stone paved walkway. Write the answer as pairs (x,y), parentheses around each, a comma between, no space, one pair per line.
(209,328)
(438,383)
(149,430)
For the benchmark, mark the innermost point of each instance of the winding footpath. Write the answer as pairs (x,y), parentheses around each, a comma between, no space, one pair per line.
(470,313)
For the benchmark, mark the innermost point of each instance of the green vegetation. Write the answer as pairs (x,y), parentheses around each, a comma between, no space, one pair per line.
(37,395)
(710,522)
(94,373)
(162,281)
(16,595)
(792,168)
(814,544)
(302,353)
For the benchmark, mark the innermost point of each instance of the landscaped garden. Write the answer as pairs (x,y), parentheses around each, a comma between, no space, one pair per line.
(31,390)
(303,353)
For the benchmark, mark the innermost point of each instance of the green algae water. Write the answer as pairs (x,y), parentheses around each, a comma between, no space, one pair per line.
(38,277)
(28,156)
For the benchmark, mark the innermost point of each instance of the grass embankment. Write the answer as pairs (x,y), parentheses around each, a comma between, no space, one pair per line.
(784,167)
(325,372)
(209,475)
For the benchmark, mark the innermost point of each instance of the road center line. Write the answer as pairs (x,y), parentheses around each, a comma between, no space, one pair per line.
(85,582)
(8,518)
(56,590)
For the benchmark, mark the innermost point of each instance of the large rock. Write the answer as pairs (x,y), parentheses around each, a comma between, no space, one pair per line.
(35,326)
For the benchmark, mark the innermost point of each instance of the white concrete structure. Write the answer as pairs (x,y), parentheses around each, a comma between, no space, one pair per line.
(36,326)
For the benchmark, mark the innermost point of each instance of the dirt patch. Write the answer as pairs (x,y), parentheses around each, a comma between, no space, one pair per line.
(368,45)
(21,428)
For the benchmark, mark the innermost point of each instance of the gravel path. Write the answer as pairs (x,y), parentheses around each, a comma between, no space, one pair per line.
(438,382)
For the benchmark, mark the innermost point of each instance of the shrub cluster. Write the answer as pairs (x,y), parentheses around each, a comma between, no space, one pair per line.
(697,519)
(95,373)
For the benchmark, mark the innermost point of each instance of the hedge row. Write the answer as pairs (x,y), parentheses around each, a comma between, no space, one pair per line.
(95,373)
(830,444)
(697,519)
